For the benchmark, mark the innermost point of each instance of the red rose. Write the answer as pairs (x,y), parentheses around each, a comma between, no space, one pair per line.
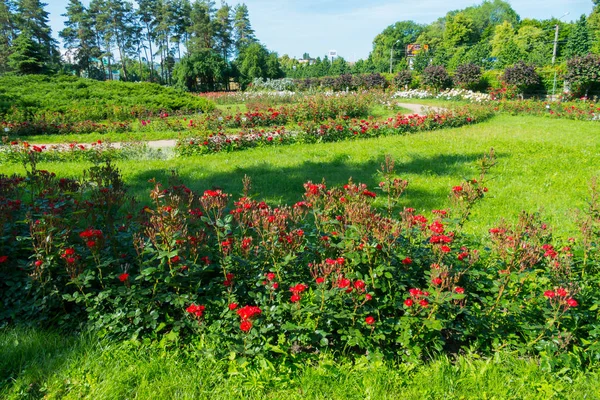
(407,261)
(320,280)
(408,302)
(370,320)
(459,290)
(38,263)
(359,285)
(270,276)
(233,306)
(368,297)
(572,303)
(245,325)
(437,281)
(424,303)
(123,277)
(295,298)
(549,294)
(3,259)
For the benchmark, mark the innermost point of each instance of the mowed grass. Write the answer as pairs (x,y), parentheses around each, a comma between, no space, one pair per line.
(37,364)
(543,165)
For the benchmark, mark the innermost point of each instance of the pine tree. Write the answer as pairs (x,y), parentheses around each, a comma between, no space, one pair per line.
(201,29)
(7,33)
(145,14)
(242,30)
(28,56)
(578,43)
(78,37)
(223,30)
(33,19)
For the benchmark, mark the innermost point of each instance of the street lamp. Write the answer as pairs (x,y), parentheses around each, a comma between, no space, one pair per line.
(554,53)
(392,54)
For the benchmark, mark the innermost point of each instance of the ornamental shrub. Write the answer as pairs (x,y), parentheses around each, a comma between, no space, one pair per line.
(467,76)
(374,81)
(583,73)
(522,76)
(403,78)
(436,77)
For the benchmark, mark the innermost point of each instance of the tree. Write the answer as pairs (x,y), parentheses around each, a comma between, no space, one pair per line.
(459,30)
(201,29)
(467,76)
(33,19)
(583,73)
(243,33)
(145,14)
(256,62)
(224,31)
(578,43)
(435,76)
(522,76)
(78,37)
(204,70)
(28,56)
(394,39)
(8,32)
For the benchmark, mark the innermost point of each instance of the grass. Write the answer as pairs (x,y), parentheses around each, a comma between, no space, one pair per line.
(543,165)
(38,364)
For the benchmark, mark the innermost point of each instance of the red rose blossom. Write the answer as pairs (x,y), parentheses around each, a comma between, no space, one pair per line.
(233,306)
(370,320)
(123,277)
(409,302)
(245,325)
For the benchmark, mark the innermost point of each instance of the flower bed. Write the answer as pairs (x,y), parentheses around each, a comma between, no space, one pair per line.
(328,273)
(331,130)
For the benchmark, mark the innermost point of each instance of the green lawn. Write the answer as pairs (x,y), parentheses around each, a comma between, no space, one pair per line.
(543,165)
(37,364)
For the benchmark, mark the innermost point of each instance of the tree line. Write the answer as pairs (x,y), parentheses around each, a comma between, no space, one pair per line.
(193,44)
(491,35)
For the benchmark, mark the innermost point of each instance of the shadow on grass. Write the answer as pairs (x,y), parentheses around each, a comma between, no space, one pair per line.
(284,185)
(30,356)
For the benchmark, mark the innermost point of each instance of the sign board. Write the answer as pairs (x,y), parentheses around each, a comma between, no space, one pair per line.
(332,54)
(414,49)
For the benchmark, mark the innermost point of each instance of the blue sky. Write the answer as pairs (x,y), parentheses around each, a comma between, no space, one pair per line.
(317,26)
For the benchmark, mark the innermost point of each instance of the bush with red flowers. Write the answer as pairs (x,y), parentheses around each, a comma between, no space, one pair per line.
(328,273)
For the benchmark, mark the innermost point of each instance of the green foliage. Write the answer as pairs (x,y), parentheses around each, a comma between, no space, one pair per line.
(71,99)
(27,56)
(583,73)
(579,43)
(201,71)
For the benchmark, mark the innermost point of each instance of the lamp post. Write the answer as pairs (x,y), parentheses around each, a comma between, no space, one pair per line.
(392,54)
(554,53)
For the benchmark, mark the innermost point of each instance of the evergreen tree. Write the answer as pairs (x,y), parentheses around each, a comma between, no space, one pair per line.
(145,15)
(78,37)
(578,43)
(7,32)
(27,56)
(223,30)
(201,29)
(33,19)
(243,33)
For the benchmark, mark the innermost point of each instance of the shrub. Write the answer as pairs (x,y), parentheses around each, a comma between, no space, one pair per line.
(344,82)
(435,76)
(403,78)
(467,76)
(522,76)
(374,81)
(583,73)
(328,82)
